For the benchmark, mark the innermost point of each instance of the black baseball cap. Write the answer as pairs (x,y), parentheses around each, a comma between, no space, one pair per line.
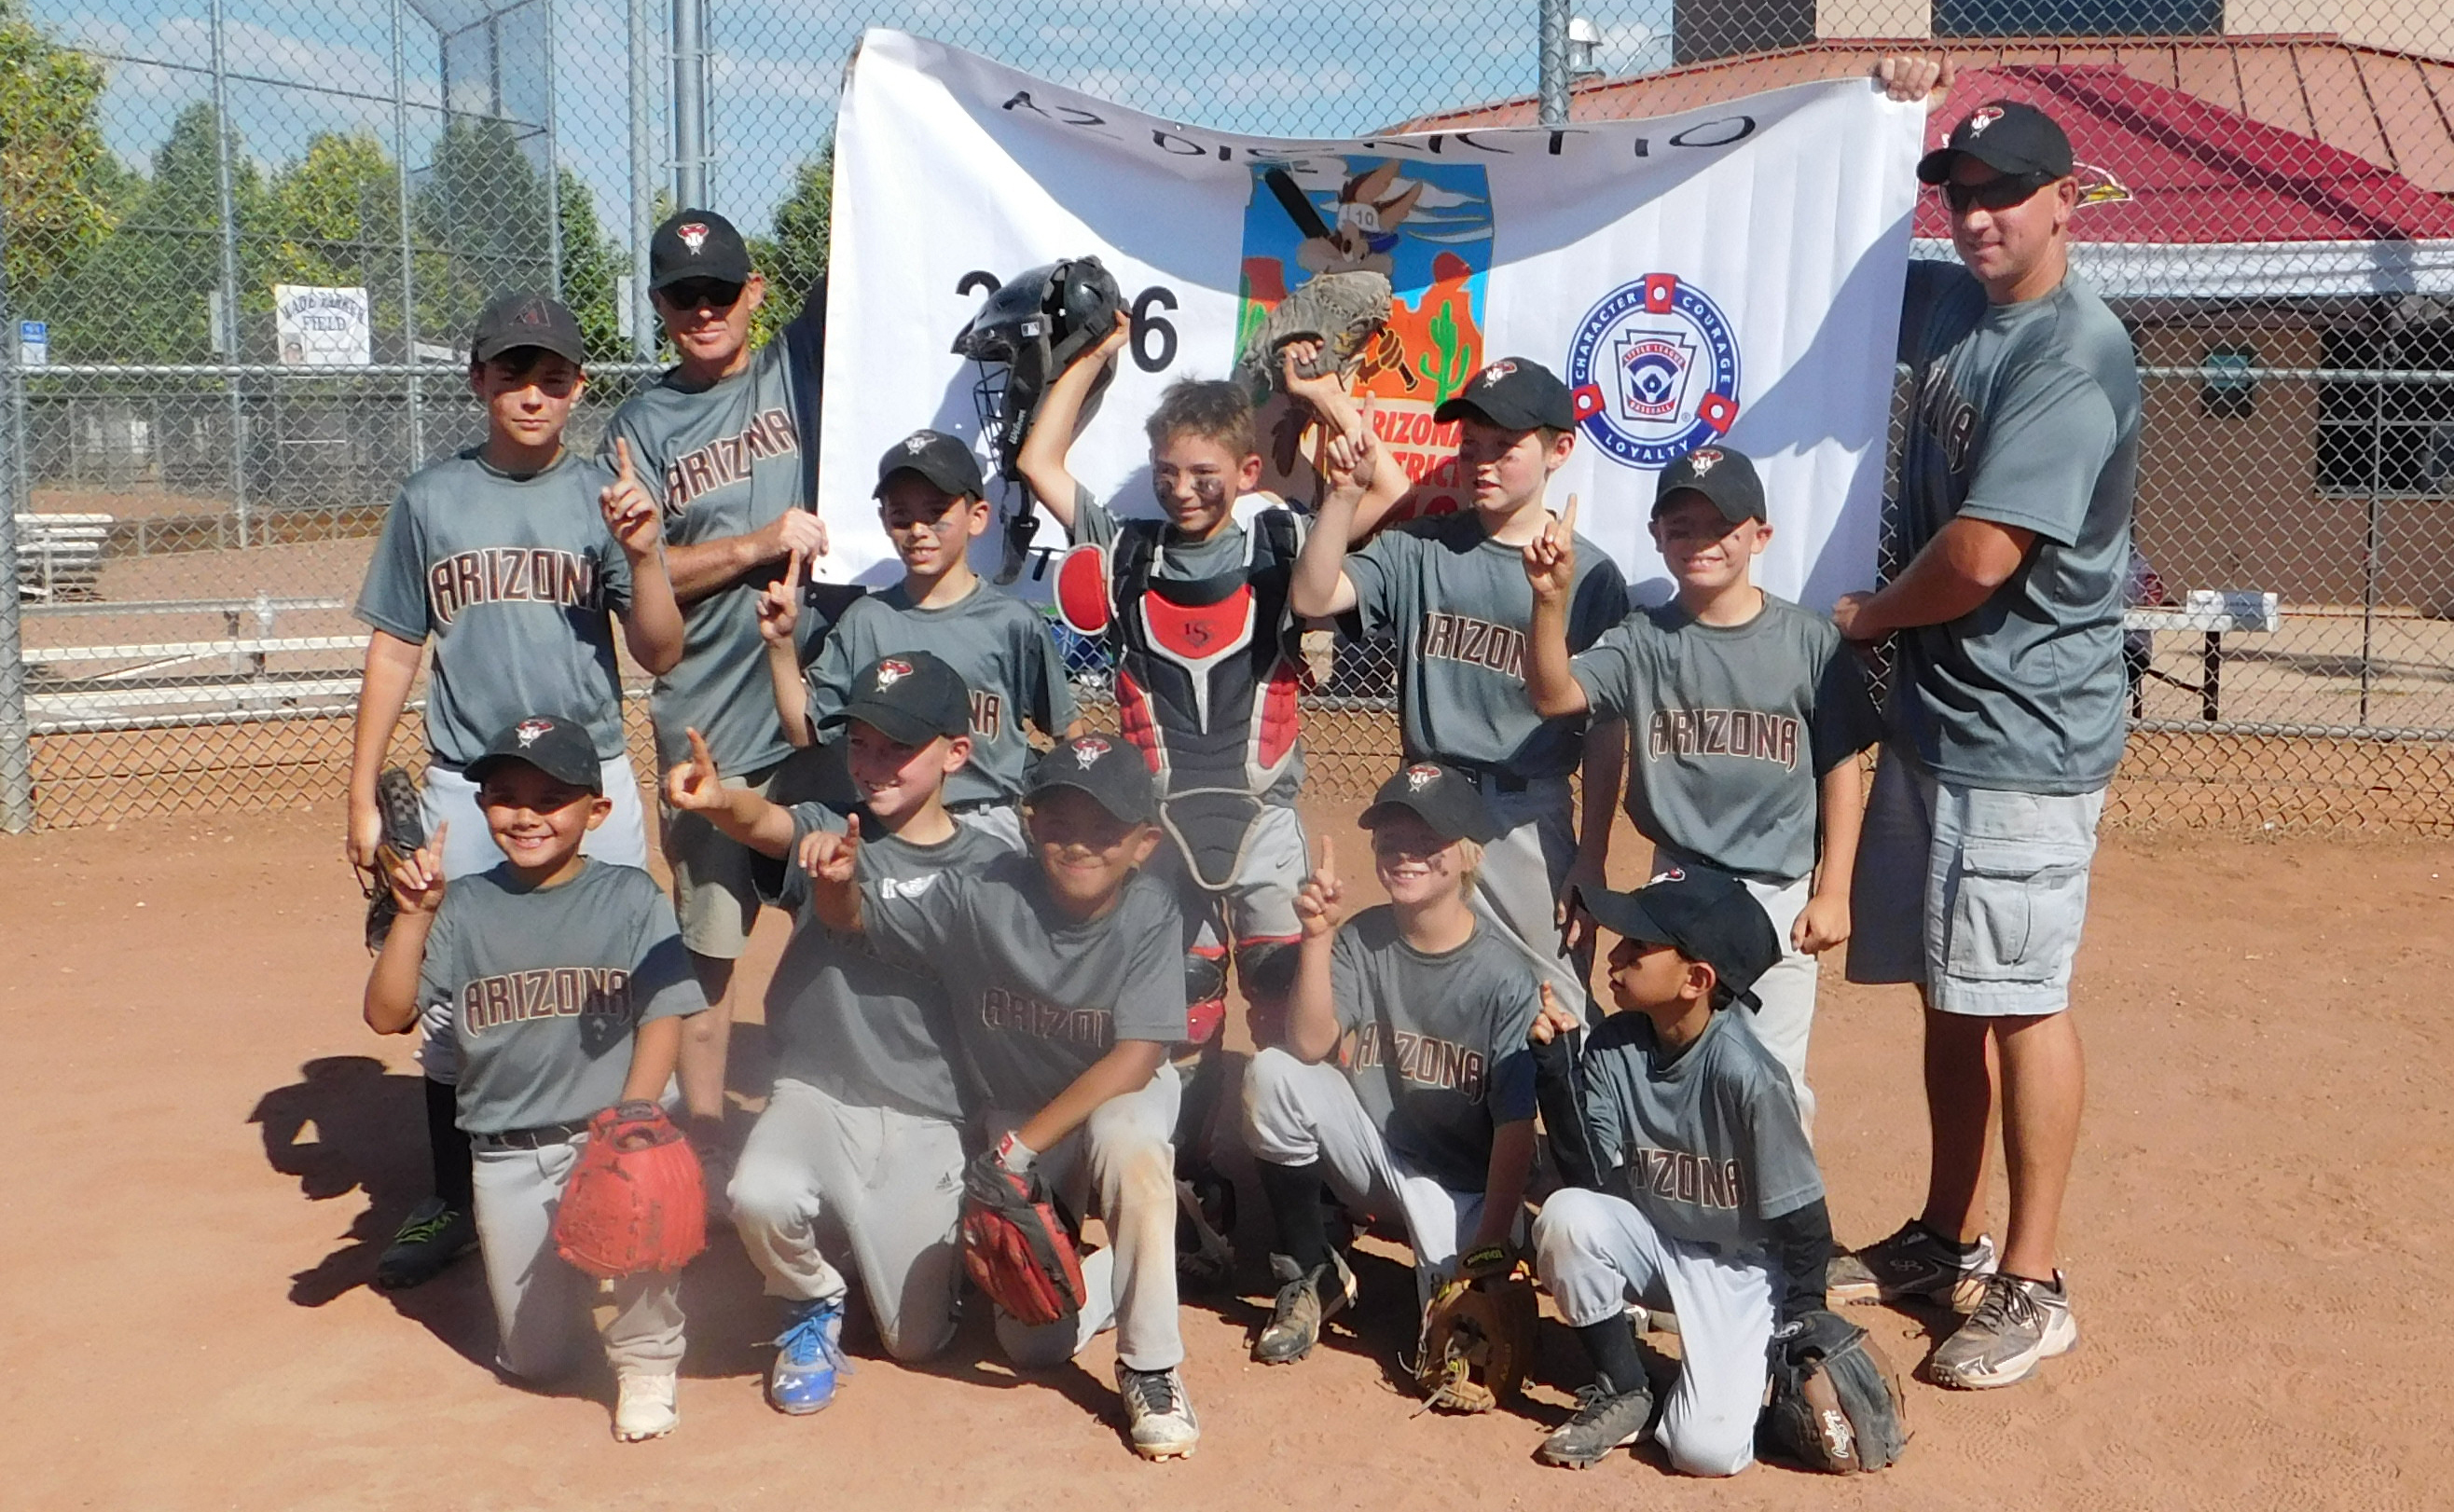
(1724,474)
(697,244)
(562,748)
(1702,914)
(948,464)
(911,698)
(1106,767)
(2017,140)
(1514,393)
(1442,796)
(523,318)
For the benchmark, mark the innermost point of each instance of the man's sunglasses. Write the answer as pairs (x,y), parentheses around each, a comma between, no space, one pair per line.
(1995,193)
(695,294)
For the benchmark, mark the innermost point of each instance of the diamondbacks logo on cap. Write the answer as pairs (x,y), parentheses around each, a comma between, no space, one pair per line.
(892,671)
(1674,875)
(1653,373)
(1498,371)
(1983,117)
(1088,750)
(918,442)
(1704,461)
(533,313)
(532,730)
(694,234)
(1420,778)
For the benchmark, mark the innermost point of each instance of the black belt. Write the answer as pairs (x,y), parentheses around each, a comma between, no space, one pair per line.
(536,1139)
(1493,778)
(978,805)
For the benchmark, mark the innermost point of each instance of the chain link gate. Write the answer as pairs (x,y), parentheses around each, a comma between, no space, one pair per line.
(244,243)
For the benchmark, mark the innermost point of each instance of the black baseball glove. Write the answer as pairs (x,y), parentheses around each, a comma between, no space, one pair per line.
(1836,1400)
(404,831)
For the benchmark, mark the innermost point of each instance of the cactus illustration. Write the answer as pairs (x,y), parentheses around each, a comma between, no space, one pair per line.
(1452,369)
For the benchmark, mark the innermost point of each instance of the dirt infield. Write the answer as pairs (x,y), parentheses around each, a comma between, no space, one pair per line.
(211,1148)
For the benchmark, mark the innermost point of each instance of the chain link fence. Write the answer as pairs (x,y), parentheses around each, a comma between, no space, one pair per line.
(244,242)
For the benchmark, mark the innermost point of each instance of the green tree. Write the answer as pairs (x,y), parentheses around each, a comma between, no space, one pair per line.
(334,214)
(57,180)
(592,266)
(480,218)
(794,258)
(146,293)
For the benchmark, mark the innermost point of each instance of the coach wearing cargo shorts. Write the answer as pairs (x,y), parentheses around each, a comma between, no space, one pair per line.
(2006,719)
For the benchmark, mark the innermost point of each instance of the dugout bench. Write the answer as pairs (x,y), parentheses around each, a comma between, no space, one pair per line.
(2211,613)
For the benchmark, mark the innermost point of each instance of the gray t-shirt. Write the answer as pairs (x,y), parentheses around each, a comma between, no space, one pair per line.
(723,461)
(1038,997)
(1002,648)
(2028,415)
(1186,561)
(1458,603)
(1709,1148)
(1729,729)
(1435,1046)
(547,986)
(862,1030)
(518,581)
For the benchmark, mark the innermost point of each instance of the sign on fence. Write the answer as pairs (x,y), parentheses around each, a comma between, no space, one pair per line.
(323,327)
(1732,272)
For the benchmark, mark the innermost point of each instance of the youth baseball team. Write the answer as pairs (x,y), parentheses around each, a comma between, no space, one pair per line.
(1022,961)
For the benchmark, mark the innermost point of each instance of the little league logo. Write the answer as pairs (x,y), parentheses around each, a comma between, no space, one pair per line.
(1654,371)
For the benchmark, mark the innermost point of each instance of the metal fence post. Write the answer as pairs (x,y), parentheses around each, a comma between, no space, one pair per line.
(416,388)
(16,734)
(1552,70)
(553,170)
(643,177)
(230,275)
(690,105)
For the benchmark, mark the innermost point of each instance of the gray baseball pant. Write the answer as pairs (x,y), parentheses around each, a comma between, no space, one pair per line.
(1518,889)
(1123,1155)
(541,1303)
(885,1186)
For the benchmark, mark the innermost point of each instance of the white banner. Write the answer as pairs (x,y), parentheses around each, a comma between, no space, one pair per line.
(1734,271)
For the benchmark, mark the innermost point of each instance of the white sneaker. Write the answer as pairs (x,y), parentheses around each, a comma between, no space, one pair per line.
(646,1408)
(1158,1416)
(2018,1325)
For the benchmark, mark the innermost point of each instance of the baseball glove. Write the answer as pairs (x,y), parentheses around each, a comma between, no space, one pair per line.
(636,1201)
(1342,312)
(1016,1247)
(404,831)
(1836,1400)
(1478,1338)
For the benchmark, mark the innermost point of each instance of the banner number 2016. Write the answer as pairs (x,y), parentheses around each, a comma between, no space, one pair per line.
(1153,341)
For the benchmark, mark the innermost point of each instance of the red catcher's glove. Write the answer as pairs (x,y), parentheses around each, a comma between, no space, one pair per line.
(1015,1247)
(636,1200)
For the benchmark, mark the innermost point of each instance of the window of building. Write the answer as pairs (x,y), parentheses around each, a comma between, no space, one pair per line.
(2077,18)
(2227,392)
(2392,433)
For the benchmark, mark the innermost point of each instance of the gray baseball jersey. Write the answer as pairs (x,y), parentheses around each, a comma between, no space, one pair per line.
(2028,415)
(547,986)
(1707,1143)
(1458,603)
(1005,652)
(723,461)
(1729,729)
(1038,995)
(516,580)
(844,1021)
(1435,1046)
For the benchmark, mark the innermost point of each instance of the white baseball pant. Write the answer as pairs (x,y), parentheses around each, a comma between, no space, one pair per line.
(541,1303)
(883,1185)
(1518,889)
(1597,1253)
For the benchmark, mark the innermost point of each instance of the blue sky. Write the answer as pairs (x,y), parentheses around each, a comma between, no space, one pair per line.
(1279,66)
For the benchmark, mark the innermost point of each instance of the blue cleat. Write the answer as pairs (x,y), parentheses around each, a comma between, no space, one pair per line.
(808,1357)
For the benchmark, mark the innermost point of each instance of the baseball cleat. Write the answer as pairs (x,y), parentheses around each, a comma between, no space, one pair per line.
(1605,1420)
(1158,1416)
(430,1239)
(1306,1300)
(1913,1263)
(1205,1216)
(645,1408)
(809,1353)
(2018,1325)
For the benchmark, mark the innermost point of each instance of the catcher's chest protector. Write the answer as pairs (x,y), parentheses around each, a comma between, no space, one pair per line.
(1208,672)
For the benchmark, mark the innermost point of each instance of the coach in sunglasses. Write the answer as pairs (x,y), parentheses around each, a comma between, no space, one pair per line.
(2006,719)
